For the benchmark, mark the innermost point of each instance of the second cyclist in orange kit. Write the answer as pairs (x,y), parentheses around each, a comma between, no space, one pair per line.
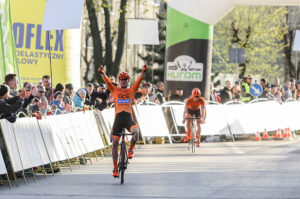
(194,106)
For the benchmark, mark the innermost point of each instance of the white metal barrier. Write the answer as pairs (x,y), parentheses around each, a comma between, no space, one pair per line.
(11,145)
(107,117)
(246,118)
(2,165)
(32,143)
(151,121)
(24,131)
(94,133)
(52,141)
(292,117)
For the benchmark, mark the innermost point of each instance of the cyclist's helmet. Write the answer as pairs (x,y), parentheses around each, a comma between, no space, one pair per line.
(124,75)
(196,92)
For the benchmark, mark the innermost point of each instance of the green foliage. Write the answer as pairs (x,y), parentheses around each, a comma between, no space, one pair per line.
(258,29)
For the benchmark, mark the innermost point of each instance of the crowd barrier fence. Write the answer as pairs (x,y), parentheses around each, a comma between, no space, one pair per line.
(240,118)
(34,143)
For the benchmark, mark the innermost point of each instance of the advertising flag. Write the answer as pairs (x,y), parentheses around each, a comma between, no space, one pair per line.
(8,59)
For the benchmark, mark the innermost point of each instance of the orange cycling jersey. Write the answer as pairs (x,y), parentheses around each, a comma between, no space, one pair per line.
(194,105)
(123,98)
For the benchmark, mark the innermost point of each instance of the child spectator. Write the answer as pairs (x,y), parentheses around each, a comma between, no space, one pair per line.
(43,105)
(235,90)
(79,98)
(58,102)
(34,105)
(59,87)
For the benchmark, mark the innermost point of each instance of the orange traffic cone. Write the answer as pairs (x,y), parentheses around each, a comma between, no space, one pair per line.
(285,133)
(257,137)
(288,132)
(265,135)
(278,134)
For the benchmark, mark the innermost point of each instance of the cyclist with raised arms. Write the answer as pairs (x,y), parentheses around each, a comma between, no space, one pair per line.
(194,106)
(123,99)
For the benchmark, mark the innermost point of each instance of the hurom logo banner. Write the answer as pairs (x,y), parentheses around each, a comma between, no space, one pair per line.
(184,68)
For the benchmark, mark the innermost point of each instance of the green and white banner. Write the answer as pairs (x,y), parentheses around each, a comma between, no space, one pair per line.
(8,58)
(188,53)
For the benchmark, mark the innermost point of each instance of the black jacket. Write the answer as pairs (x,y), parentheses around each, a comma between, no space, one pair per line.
(11,105)
(177,98)
(96,103)
(27,101)
(225,95)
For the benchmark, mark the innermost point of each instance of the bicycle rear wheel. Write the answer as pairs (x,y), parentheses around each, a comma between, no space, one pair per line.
(193,142)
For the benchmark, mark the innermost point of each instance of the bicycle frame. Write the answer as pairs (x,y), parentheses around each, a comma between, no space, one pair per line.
(193,133)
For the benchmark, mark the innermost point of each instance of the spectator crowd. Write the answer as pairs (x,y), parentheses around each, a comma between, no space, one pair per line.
(290,90)
(44,99)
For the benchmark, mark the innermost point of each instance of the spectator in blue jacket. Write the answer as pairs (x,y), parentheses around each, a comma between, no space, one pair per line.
(79,98)
(58,102)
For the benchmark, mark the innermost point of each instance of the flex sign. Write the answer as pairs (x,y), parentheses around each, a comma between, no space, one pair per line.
(25,33)
(184,68)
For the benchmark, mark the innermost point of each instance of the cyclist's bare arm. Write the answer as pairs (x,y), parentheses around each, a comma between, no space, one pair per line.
(110,86)
(203,113)
(140,78)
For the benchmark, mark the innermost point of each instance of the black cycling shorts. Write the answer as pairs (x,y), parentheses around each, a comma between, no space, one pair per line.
(195,113)
(122,120)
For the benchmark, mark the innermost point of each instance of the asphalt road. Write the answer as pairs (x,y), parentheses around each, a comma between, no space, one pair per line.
(245,169)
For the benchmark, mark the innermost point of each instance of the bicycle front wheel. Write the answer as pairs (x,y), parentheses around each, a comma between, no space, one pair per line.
(122,175)
(123,162)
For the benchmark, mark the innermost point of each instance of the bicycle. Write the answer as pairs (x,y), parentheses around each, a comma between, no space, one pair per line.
(123,158)
(193,140)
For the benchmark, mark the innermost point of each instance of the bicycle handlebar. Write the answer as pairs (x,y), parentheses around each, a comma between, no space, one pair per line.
(127,133)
